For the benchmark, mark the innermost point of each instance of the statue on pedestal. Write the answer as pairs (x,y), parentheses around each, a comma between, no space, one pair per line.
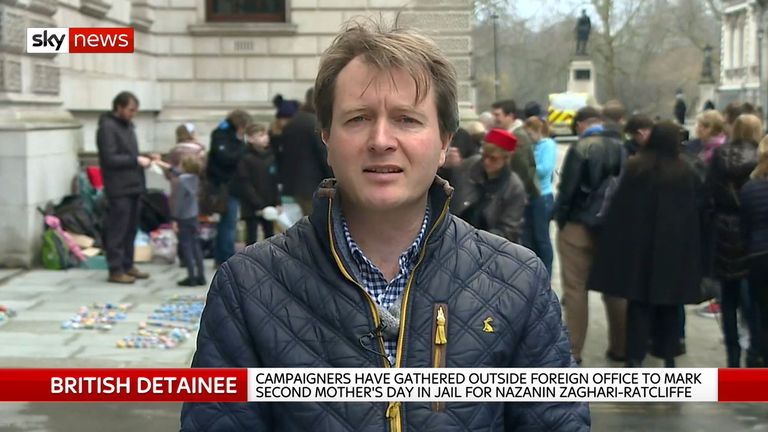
(583,28)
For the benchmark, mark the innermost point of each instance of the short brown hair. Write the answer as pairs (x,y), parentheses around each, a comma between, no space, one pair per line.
(255,128)
(386,49)
(239,118)
(191,163)
(614,110)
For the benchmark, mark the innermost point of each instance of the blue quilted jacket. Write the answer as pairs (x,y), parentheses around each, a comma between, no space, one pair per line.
(294,301)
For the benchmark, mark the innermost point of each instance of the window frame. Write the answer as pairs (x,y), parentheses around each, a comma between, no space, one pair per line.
(274,17)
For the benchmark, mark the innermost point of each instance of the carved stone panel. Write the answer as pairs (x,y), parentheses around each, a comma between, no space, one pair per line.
(95,8)
(10,76)
(46,79)
(12,30)
(44,7)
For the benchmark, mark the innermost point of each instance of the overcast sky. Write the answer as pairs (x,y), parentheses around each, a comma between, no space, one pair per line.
(541,10)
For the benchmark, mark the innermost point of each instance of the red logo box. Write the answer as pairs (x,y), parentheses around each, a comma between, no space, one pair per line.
(100,40)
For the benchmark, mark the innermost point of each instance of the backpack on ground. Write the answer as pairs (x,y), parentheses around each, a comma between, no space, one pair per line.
(55,253)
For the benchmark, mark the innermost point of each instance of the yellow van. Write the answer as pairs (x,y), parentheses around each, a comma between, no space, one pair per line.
(562,109)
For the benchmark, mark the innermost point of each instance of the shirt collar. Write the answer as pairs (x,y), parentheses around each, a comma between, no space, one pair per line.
(406,259)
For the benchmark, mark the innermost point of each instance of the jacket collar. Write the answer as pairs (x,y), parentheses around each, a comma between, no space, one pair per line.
(326,218)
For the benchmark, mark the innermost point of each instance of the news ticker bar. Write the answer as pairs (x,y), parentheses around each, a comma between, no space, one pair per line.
(364,384)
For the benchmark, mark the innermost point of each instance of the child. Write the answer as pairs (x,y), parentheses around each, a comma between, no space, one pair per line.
(256,181)
(184,210)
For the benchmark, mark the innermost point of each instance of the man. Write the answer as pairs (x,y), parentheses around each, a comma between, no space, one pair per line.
(361,282)
(227,147)
(680,107)
(122,168)
(638,129)
(303,160)
(488,195)
(613,119)
(523,162)
(583,28)
(589,163)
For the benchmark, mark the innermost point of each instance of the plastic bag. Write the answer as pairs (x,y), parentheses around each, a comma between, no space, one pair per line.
(164,244)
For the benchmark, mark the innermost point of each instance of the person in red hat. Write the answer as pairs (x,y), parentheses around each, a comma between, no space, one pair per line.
(489,195)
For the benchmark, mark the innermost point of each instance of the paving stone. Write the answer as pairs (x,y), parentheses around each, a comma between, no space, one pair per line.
(179,357)
(11,339)
(20,305)
(39,351)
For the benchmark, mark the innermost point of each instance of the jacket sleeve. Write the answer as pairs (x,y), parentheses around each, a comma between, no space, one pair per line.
(544,344)
(745,213)
(109,157)
(247,191)
(510,223)
(223,342)
(545,164)
(570,176)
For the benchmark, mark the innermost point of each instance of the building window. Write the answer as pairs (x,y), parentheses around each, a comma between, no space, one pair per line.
(245,10)
(742,41)
(731,43)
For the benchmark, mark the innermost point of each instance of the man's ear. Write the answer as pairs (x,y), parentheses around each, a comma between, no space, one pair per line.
(444,145)
(324,134)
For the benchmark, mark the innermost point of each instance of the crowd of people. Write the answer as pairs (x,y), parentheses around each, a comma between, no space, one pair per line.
(645,215)
(248,168)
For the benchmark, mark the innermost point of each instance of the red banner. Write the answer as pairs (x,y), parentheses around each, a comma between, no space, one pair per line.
(123,385)
(742,385)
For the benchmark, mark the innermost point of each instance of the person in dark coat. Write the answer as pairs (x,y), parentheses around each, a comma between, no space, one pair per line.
(256,182)
(648,251)
(638,129)
(732,164)
(589,163)
(227,147)
(122,168)
(754,229)
(381,273)
(680,107)
(489,196)
(303,160)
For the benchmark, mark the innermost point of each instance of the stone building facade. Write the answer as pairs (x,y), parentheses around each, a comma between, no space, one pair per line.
(742,52)
(194,60)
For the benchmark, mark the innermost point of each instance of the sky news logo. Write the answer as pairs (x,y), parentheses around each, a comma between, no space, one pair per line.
(80,40)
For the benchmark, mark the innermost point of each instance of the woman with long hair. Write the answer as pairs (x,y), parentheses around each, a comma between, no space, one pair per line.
(539,213)
(649,251)
(731,167)
(754,227)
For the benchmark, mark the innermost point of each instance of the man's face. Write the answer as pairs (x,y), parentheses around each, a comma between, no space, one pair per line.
(494,161)
(383,149)
(128,112)
(502,120)
(641,136)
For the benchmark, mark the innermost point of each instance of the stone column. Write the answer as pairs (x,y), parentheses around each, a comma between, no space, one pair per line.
(38,138)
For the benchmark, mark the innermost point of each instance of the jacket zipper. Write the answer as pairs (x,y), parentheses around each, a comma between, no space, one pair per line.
(340,264)
(440,333)
(393,410)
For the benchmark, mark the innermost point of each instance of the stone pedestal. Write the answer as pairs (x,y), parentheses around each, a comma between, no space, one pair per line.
(707,91)
(581,77)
